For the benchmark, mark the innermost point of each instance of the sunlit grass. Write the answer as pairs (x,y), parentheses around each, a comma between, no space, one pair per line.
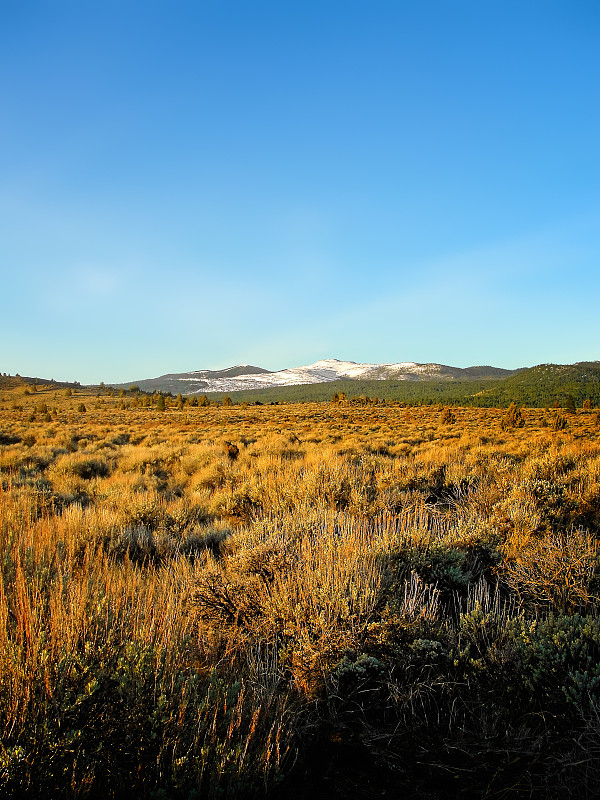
(176,615)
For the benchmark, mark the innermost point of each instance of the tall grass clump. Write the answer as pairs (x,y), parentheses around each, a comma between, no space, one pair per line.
(99,686)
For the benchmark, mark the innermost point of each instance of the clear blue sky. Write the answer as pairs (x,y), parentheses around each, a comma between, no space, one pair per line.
(189,185)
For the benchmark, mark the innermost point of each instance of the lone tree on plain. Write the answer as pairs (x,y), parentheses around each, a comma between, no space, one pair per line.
(569,404)
(448,416)
(513,418)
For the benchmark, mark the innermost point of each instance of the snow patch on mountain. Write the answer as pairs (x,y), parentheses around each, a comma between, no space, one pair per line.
(245,376)
(323,371)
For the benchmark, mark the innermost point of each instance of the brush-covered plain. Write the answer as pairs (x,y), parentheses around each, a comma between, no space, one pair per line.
(304,600)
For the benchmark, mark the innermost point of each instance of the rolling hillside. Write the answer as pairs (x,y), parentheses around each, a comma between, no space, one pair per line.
(539,386)
(243,377)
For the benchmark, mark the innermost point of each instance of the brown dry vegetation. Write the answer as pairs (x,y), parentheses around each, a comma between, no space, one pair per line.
(362,596)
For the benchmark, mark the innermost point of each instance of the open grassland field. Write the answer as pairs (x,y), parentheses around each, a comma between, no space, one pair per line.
(311,600)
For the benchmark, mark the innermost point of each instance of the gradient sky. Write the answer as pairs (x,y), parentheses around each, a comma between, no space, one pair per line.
(189,185)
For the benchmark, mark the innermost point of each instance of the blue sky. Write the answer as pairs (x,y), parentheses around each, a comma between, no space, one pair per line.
(188,185)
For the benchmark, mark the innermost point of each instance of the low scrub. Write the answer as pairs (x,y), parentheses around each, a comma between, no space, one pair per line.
(338,599)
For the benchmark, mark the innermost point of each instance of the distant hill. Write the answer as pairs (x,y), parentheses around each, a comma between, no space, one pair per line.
(244,377)
(13,381)
(544,385)
(196,382)
(541,386)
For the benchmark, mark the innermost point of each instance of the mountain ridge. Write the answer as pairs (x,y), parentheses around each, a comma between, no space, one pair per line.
(543,385)
(247,377)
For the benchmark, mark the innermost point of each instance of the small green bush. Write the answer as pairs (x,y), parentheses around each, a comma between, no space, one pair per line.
(91,468)
(559,659)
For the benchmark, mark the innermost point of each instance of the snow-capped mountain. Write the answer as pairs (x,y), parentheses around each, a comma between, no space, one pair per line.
(245,376)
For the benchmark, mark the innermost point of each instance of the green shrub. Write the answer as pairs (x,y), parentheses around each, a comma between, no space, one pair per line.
(446,568)
(91,468)
(559,659)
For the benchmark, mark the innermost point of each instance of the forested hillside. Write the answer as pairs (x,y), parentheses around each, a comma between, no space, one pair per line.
(540,387)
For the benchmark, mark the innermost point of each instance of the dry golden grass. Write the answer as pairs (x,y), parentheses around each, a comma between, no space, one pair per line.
(218,595)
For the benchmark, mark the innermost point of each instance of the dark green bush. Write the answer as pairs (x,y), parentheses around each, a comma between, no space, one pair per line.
(210,539)
(91,468)
(450,569)
(559,660)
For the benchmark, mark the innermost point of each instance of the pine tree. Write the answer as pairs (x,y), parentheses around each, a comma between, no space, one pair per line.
(513,418)
(569,405)
(448,416)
